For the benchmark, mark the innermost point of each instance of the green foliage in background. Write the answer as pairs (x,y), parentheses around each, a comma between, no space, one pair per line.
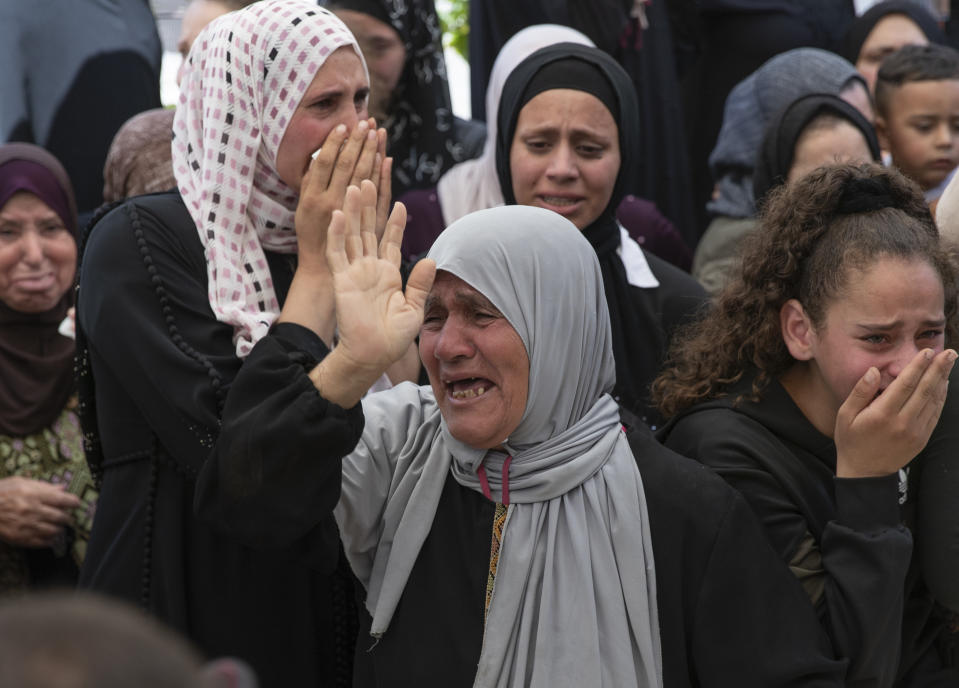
(454,18)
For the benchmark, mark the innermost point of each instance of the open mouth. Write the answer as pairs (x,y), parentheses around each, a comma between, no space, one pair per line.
(468,387)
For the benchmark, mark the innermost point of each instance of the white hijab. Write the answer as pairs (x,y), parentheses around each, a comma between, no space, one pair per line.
(574,599)
(244,78)
(473,184)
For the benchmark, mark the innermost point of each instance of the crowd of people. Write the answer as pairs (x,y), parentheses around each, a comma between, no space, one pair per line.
(309,382)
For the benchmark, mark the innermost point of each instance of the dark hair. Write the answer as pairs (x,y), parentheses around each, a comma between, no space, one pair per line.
(811,236)
(913,63)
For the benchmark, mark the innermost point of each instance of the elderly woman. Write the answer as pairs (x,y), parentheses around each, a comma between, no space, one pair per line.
(497,521)
(46,495)
(174,291)
(567,131)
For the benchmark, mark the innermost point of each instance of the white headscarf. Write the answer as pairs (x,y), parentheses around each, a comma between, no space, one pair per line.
(244,78)
(574,598)
(474,185)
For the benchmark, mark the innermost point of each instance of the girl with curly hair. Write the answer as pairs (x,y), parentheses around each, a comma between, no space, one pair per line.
(813,386)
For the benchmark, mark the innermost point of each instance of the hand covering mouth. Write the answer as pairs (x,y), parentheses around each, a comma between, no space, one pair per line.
(468,387)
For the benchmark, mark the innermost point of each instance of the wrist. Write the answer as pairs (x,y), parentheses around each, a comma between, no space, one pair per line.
(868,468)
(342,380)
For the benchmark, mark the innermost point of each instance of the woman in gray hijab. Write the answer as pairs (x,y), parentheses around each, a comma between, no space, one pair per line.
(750,107)
(497,520)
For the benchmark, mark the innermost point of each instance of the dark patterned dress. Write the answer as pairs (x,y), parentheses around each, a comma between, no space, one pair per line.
(55,455)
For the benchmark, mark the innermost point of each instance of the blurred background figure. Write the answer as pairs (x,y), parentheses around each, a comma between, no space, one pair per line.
(751,105)
(140,160)
(61,640)
(46,494)
(409,93)
(73,73)
(884,29)
(197,15)
(814,130)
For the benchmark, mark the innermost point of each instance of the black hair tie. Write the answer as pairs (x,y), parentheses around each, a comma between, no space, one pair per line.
(864,196)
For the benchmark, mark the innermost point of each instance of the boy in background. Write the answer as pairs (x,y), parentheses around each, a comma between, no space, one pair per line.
(917,114)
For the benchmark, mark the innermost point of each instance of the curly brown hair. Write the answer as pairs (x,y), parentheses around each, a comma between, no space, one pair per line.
(812,235)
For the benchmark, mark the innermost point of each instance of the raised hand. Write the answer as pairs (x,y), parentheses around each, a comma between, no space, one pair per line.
(345,159)
(33,512)
(376,320)
(876,436)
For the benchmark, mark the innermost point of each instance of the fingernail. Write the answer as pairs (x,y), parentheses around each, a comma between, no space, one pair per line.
(951,355)
(340,128)
(371,136)
(928,354)
(363,126)
(871,375)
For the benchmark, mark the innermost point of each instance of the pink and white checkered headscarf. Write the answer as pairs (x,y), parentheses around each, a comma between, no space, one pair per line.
(244,78)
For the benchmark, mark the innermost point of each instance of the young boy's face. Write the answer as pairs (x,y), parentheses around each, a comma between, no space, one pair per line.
(920,129)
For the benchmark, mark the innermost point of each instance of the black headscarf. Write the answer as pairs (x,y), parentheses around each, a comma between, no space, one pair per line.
(420,126)
(35,359)
(779,144)
(863,26)
(579,67)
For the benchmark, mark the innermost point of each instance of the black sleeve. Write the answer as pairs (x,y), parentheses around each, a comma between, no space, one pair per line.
(274,474)
(754,626)
(153,340)
(855,572)
(730,612)
(937,534)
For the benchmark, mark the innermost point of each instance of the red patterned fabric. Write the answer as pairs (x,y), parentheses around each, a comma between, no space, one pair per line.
(244,78)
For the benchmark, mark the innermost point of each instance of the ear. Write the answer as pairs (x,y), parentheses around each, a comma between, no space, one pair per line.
(797,330)
(881,134)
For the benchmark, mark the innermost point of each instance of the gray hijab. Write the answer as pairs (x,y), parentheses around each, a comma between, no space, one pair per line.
(577,526)
(750,107)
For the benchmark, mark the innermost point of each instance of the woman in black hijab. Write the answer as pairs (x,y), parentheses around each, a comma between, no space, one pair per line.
(409,93)
(813,130)
(884,29)
(573,153)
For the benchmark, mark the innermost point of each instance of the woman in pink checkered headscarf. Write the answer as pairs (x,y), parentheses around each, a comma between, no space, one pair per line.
(175,291)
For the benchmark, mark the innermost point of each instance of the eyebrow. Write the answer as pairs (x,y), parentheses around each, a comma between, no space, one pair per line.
(337,92)
(540,129)
(885,327)
(474,300)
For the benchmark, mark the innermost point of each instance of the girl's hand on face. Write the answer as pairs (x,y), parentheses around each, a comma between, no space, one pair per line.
(376,320)
(345,158)
(876,436)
